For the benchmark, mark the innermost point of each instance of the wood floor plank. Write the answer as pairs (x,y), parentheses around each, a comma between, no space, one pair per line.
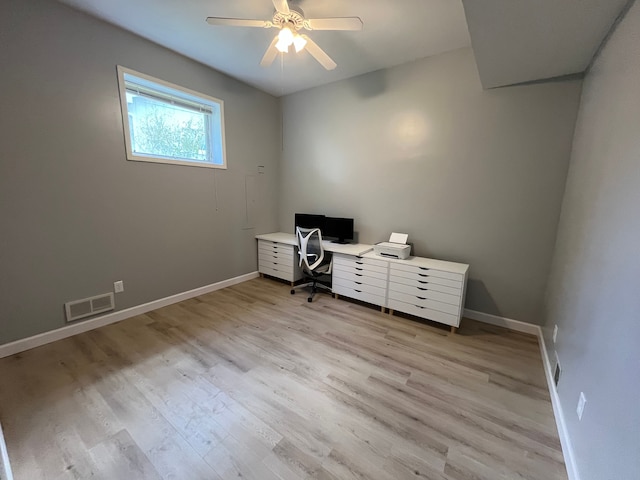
(252,382)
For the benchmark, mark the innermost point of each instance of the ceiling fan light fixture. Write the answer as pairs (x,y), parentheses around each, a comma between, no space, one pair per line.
(286,35)
(299,42)
(282,47)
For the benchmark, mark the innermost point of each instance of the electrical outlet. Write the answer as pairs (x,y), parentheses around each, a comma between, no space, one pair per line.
(555,333)
(581,403)
(118,286)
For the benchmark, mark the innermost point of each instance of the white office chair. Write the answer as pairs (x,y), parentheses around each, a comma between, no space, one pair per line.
(313,260)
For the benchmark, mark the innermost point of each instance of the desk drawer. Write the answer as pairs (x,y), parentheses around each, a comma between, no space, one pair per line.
(424,312)
(275,266)
(417,276)
(423,301)
(425,283)
(355,267)
(425,292)
(272,247)
(275,258)
(360,271)
(359,277)
(403,267)
(289,274)
(358,285)
(350,261)
(359,295)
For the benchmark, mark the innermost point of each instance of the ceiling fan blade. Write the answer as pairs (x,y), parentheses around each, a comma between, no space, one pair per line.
(281,5)
(271,53)
(319,54)
(340,23)
(238,22)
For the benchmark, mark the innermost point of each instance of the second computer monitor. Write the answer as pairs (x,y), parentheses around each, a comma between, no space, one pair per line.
(341,229)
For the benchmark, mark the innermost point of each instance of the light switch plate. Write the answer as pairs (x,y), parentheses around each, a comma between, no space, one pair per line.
(118,286)
(581,403)
(555,333)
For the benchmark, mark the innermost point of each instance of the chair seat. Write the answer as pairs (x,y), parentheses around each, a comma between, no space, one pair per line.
(322,268)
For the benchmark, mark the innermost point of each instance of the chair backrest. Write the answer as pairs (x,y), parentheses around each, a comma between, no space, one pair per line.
(310,247)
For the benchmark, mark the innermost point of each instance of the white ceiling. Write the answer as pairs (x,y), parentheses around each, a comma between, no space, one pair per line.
(395,32)
(517,41)
(514,41)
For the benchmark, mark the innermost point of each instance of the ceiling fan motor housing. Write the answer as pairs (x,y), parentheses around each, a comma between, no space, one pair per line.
(294,19)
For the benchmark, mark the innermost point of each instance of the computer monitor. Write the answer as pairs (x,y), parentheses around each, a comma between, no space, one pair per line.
(306,220)
(339,228)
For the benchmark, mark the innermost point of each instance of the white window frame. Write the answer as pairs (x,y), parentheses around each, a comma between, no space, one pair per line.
(171,89)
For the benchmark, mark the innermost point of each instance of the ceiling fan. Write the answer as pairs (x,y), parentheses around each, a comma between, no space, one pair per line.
(290,20)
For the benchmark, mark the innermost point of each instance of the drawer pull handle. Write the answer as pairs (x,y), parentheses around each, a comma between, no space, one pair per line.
(358,283)
(419,306)
(359,263)
(359,269)
(424,268)
(358,274)
(422,275)
(359,291)
(423,289)
(422,281)
(420,298)
(359,257)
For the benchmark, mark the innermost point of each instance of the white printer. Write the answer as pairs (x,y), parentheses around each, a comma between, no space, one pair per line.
(396,247)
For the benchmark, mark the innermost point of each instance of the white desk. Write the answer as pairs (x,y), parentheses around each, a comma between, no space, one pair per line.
(424,287)
(356,249)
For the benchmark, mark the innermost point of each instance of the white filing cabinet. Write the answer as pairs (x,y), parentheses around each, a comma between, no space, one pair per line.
(428,288)
(361,278)
(278,260)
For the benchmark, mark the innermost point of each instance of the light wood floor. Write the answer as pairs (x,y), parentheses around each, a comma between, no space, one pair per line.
(251,382)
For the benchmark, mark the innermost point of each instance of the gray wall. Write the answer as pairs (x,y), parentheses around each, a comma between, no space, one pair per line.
(472,176)
(75,214)
(593,293)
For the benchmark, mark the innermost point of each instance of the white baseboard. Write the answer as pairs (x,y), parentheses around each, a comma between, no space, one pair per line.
(5,467)
(70,330)
(563,432)
(509,323)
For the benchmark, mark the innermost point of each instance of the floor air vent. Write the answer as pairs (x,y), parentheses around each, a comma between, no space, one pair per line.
(89,306)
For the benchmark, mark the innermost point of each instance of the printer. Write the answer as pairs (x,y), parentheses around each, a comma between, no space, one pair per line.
(396,247)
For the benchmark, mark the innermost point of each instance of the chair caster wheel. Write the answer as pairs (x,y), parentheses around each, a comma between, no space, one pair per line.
(309,300)
(292,291)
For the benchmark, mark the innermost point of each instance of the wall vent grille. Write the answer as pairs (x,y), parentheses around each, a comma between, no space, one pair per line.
(89,306)
(557,372)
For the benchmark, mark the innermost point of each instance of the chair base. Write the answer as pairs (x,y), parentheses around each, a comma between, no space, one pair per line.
(313,288)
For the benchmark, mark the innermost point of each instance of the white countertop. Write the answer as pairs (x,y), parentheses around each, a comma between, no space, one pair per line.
(356,249)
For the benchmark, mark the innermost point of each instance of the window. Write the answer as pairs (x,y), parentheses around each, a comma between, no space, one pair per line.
(166,123)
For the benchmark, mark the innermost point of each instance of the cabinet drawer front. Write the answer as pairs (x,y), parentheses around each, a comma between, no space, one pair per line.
(358,270)
(425,292)
(359,266)
(359,295)
(275,247)
(357,285)
(285,275)
(425,283)
(424,312)
(275,266)
(275,251)
(350,260)
(417,276)
(275,258)
(397,267)
(359,277)
(423,301)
